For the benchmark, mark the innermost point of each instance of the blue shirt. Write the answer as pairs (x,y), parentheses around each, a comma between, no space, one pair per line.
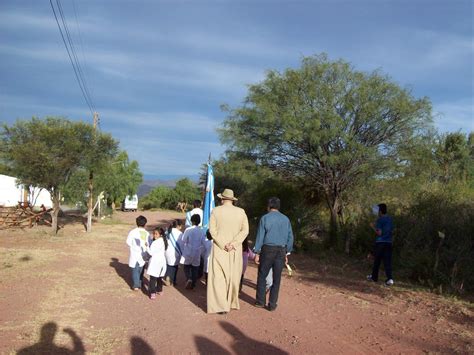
(274,229)
(385,224)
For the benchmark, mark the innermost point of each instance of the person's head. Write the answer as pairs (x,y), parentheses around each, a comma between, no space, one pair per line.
(273,203)
(382,209)
(245,244)
(195,219)
(208,235)
(197,203)
(175,224)
(227,196)
(141,221)
(159,232)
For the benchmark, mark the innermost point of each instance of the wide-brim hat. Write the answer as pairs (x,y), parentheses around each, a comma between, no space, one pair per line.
(227,194)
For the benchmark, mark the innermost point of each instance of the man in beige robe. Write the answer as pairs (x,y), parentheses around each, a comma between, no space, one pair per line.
(229,227)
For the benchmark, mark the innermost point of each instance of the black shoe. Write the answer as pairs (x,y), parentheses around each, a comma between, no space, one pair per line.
(221,313)
(271,308)
(259,305)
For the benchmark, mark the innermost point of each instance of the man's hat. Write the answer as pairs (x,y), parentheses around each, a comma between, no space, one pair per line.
(227,194)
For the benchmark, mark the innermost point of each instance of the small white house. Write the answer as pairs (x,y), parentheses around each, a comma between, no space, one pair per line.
(11,194)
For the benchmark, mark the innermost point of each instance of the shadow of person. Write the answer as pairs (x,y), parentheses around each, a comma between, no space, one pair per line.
(196,296)
(246,298)
(46,342)
(123,270)
(250,283)
(242,344)
(207,346)
(140,347)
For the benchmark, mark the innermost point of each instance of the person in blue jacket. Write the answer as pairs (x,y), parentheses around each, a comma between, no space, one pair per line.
(383,228)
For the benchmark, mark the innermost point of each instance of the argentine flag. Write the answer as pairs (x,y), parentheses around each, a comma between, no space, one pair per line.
(209,203)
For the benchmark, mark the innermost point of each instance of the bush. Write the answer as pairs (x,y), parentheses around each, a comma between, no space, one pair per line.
(434,242)
(165,197)
(433,239)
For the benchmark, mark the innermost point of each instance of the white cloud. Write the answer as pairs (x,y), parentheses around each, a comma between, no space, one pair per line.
(454,116)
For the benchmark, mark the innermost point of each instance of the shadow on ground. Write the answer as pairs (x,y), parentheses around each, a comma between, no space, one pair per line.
(46,345)
(241,343)
(140,347)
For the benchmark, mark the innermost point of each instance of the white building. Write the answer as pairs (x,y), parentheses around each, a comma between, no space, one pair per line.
(11,194)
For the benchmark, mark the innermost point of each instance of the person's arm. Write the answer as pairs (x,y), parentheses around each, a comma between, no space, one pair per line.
(244,232)
(215,236)
(289,242)
(134,243)
(377,228)
(260,236)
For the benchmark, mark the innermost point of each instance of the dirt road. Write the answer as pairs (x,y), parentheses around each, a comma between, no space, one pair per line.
(71,294)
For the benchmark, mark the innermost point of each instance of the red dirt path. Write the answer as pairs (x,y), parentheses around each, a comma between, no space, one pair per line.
(80,282)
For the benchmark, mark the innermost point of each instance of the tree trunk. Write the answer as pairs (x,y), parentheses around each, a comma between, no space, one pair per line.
(347,247)
(90,203)
(113,206)
(333,227)
(55,213)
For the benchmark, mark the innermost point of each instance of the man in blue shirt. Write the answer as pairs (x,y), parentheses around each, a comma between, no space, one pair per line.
(274,242)
(383,245)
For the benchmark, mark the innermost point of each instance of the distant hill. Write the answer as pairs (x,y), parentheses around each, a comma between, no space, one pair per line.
(152,181)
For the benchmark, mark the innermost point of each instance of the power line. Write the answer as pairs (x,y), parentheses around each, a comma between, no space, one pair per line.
(76,71)
(73,49)
(81,44)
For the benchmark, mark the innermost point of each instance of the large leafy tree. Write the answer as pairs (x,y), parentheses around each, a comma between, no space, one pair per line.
(117,178)
(327,125)
(47,152)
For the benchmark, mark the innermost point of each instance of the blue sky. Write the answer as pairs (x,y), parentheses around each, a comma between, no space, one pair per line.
(158,71)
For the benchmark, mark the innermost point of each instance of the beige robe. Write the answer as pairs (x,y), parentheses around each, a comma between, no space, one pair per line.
(228,224)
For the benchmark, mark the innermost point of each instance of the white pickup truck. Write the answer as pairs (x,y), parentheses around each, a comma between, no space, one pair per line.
(130,203)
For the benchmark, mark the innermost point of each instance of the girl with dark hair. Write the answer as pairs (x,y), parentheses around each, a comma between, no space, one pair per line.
(157,264)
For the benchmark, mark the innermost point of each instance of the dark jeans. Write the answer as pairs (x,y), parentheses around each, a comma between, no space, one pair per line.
(172,272)
(382,252)
(191,273)
(136,276)
(271,257)
(156,284)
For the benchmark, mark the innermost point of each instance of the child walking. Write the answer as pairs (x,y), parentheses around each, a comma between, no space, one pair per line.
(193,244)
(137,241)
(248,254)
(173,252)
(157,263)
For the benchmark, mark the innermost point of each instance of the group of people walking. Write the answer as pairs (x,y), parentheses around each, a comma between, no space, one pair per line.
(221,254)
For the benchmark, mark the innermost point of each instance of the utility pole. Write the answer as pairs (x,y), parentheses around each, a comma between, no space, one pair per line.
(90,202)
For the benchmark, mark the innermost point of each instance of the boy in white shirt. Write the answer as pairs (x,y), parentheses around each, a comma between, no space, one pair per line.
(137,240)
(196,210)
(193,242)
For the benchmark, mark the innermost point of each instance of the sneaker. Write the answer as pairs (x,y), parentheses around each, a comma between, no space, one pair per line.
(389,282)
(369,278)
(153,296)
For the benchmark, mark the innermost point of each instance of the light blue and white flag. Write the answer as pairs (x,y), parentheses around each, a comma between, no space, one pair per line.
(209,203)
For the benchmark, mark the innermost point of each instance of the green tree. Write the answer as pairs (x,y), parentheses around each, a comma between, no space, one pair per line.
(326,125)
(46,153)
(453,155)
(117,178)
(186,191)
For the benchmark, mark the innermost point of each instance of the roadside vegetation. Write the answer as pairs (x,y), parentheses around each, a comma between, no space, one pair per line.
(331,142)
